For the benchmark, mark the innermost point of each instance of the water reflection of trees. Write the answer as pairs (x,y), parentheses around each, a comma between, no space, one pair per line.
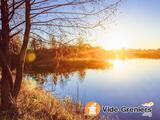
(64,72)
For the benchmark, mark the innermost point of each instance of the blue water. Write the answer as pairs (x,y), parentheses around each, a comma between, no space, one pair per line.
(127,83)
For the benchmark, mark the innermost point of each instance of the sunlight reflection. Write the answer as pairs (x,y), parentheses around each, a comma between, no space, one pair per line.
(118,64)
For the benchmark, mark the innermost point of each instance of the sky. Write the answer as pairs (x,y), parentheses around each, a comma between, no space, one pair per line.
(137,25)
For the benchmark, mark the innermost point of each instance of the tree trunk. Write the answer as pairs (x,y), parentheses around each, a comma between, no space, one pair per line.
(7,81)
(6,97)
(20,67)
(18,80)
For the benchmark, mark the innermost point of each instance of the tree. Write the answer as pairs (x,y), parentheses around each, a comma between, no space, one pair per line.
(42,19)
(36,44)
(10,88)
(80,42)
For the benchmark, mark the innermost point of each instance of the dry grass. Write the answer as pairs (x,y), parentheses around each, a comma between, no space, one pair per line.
(36,104)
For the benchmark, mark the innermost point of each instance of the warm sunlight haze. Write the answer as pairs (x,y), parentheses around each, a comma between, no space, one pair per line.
(112,39)
(79,59)
(136,26)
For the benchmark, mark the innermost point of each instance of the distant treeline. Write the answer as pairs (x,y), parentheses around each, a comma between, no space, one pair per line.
(66,58)
(133,53)
(74,57)
(86,51)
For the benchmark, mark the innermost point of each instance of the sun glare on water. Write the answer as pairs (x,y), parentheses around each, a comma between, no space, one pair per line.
(118,64)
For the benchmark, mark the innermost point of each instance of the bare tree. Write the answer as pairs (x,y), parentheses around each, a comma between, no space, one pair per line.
(10,88)
(62,19)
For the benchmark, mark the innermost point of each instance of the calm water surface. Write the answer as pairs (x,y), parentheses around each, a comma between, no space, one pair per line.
(127,83)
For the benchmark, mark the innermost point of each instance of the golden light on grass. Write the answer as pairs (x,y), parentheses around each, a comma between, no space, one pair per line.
(30,57)
(30,84)
(37,104)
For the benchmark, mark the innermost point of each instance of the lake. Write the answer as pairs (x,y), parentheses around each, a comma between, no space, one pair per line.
(127,83)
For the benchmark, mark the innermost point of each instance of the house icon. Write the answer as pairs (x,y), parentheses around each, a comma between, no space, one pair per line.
(92,109)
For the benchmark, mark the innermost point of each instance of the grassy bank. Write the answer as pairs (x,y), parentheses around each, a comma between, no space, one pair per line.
(36,104)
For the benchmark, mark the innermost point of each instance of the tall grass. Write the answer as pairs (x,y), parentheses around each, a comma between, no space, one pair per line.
(36,104)
(33,103)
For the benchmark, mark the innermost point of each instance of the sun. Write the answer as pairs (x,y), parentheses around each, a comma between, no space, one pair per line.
(112,39)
